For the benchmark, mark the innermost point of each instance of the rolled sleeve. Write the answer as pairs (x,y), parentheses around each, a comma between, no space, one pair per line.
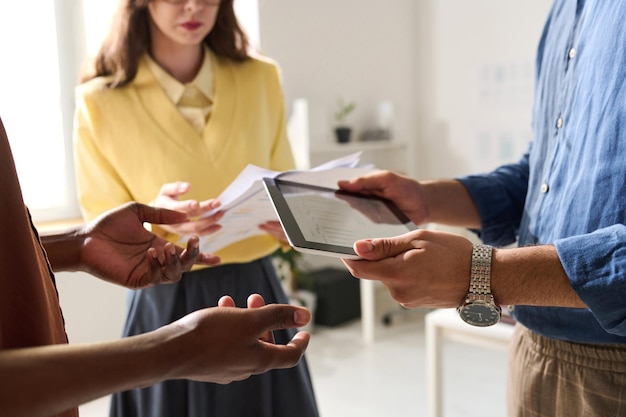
(596,266)
(499,197)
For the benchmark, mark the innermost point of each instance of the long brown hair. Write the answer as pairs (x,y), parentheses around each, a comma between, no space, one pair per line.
(129,38)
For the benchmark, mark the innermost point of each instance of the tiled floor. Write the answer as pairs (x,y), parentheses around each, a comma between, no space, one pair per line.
(387,377)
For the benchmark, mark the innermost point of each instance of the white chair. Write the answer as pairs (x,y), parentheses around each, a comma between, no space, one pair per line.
(445,325)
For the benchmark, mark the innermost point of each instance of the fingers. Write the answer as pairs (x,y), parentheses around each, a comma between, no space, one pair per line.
(201,226)
(207,224)
(211,204)
(174,189)
(366,183)
(192,255)
(170,268)
(226,301)
(208,259)
(169,264)
(274,229)
(271,226)
(164,267)
(169,196)
(255,301)
(285,356)
(195,208)
(299,343)
(189,256)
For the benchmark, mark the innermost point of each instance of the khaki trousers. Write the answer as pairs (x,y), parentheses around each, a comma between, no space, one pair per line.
(552,378)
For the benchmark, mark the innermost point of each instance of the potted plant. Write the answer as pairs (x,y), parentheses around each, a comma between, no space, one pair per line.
(342,129)
(297,283)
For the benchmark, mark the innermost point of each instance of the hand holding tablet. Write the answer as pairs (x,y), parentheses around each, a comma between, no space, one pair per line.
(327,221)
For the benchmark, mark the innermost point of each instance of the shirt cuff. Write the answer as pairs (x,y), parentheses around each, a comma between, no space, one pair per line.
(498,227)
(596,266)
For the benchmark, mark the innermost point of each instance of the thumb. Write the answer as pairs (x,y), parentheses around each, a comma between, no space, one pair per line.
(377,249)
(156,215)
(174,189)
(281,316)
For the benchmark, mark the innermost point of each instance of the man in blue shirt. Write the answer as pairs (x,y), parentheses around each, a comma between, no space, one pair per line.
(564,202)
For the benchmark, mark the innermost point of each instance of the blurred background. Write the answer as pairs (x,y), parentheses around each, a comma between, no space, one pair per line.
(439,88)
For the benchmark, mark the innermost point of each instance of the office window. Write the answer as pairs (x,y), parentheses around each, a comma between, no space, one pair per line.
(248,15)
(40,66)
(34,104)
(97,15)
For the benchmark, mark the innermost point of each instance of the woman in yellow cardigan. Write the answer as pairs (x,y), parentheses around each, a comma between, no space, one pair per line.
(174,109)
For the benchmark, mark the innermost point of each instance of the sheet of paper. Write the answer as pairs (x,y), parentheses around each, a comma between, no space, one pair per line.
(246,204)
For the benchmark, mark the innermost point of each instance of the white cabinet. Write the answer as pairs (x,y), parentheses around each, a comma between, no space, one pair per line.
(394,154)
(384,154)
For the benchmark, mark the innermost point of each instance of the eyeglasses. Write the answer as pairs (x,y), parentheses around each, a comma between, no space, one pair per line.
(205,2)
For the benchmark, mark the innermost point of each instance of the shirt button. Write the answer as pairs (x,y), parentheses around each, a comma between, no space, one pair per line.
(572,53)
(544,188)
(559,122)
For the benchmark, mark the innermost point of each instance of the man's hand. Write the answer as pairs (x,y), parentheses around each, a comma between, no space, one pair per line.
(117,248)
(406,193)
(421,268)
(375,210)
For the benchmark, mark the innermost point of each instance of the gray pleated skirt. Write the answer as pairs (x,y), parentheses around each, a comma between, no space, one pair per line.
(277,393)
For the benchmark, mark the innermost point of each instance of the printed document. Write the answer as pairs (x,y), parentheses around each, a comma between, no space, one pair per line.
(246,205)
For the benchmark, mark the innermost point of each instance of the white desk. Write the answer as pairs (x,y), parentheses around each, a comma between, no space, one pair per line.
(445,324)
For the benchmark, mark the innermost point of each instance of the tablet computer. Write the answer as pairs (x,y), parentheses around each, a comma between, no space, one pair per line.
(326,221)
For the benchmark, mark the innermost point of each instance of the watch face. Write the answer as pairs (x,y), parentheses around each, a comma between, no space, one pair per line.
(479,314)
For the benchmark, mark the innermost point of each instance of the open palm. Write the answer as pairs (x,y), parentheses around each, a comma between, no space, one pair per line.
(118,248)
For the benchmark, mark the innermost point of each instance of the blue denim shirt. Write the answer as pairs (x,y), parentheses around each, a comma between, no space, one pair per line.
(570,188)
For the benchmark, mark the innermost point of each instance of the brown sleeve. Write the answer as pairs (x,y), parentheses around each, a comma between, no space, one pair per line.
(29,309)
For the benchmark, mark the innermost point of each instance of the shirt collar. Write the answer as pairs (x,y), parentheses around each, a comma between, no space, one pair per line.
(174,88)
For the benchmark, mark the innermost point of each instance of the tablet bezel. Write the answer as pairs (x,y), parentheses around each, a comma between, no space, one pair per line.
(293,231)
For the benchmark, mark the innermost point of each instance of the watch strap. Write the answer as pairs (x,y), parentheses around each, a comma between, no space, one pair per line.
(480,274)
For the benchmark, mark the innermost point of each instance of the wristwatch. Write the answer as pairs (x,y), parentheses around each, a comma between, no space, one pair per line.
(479,308)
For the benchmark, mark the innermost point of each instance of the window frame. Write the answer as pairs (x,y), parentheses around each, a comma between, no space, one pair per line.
(71,49)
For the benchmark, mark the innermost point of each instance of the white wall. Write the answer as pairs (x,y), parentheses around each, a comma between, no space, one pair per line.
(94,310)
(447,65)
(361,50)
(479,82)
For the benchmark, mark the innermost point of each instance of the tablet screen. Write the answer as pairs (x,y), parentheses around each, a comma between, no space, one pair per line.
(327,221)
